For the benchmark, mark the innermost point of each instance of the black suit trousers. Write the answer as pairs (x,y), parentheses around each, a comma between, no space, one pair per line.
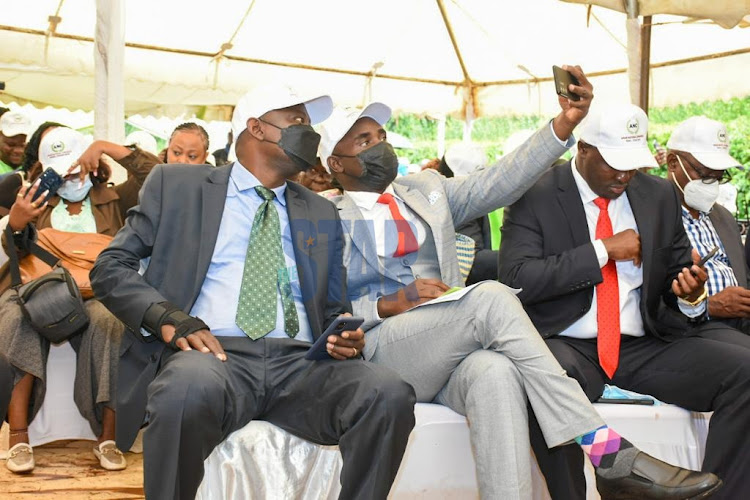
(709,370)
(196,401)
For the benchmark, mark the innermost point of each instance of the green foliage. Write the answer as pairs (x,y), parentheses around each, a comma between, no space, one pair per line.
(492,133)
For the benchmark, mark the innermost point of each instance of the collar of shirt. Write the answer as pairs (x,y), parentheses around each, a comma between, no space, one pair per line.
(368,200)
(243,180)
(587,194)
(686,215)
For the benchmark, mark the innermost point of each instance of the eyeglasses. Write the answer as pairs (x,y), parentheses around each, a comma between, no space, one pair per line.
(708,176)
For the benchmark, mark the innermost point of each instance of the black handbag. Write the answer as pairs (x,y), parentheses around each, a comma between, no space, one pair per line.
(52,303)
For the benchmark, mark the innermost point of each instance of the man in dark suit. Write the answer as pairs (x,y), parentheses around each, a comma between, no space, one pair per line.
(238,252)
(601,255)
(697,161)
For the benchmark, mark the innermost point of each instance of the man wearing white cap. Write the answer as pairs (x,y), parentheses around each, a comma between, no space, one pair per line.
(697,161)
(245,272)
(476,351)
(14,129)
(609,279)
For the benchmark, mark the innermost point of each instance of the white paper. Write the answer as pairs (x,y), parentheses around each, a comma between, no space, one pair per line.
(457,295)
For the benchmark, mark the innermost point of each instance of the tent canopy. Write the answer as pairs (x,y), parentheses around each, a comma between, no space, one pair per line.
(425,56)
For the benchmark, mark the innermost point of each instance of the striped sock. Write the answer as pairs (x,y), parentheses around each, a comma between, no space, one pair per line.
(608,450)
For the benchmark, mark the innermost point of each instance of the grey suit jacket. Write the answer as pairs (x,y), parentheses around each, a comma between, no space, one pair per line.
(176,225)
(443,204)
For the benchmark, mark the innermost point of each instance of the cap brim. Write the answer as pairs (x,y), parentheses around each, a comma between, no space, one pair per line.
(628,159)
(716,160)
(319,108)
(14,130)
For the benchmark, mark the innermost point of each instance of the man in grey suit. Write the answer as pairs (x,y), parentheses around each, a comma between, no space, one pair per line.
(478,354)
(697,162)
(245,272)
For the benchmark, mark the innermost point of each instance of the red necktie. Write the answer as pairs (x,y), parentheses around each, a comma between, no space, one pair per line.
(607,300)
(407,242)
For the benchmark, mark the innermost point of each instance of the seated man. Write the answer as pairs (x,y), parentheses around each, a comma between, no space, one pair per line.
(478,354)
(600,253)
(697,161)
(260,261)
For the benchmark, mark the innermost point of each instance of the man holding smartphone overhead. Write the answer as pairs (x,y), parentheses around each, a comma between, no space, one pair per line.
(245,272)
(473,350)
(610,280)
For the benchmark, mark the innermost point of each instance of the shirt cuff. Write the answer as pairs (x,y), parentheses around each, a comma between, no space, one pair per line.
(569,143)
(691,311)
(601,252)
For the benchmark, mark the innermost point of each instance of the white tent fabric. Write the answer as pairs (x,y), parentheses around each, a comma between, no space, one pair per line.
(181,54)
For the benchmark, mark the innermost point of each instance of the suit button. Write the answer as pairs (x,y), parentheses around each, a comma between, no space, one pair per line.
(153,358)
(405,262)
(583,310)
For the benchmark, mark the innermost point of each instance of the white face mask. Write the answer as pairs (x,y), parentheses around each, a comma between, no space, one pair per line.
(74,191)
(698,195)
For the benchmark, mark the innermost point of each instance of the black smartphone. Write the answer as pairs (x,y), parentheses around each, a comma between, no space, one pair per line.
(49,181)
(345,323)
(639,401)
(708,256)
(563,79)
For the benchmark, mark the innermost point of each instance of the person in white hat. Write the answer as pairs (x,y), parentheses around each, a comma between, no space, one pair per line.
(611,281)
(698,160)
(15,127)
(245,272)
(478,354)
(82,206)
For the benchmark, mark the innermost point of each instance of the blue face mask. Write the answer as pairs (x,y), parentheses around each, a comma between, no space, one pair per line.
(72,190)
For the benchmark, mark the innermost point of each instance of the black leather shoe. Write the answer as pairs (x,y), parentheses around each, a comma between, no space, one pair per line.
(653,479)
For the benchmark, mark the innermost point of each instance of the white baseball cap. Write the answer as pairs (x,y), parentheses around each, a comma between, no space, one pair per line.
(619,133)
(465,157)
(341,120)
(60,147)
(14,123)
(706,140)
(143,140)
(261,100)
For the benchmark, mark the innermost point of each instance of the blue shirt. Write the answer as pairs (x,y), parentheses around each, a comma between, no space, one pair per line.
(219,295)
(704,238)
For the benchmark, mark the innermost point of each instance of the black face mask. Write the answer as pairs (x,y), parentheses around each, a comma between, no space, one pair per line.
(379,166)
(300,143)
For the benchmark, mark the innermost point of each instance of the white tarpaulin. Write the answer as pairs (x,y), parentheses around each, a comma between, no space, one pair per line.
(498,58)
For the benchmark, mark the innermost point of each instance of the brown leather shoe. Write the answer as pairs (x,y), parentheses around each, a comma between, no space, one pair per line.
(653,479)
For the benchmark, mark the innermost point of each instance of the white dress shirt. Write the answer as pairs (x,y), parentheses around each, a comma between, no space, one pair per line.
(383,227)
(629,277)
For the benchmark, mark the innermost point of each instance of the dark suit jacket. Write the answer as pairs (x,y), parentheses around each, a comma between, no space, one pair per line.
(176,225)
(729,234)
(547,251)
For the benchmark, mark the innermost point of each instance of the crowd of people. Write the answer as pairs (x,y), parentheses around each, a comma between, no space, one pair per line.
(217,280)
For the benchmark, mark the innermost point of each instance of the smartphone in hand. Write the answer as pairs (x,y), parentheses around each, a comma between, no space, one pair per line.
(337,327)
(563,80)
(49,181)
(705,258)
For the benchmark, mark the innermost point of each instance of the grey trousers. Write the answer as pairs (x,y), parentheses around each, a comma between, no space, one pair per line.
(196,401)
(482,357)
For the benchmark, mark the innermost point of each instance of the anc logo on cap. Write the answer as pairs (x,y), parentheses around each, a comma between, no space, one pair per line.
(722,135)
(633,125)
(57,146)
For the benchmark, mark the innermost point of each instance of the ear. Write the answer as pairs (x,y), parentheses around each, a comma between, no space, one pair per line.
(334,164)
(254,128)
(581,149)
(672,163)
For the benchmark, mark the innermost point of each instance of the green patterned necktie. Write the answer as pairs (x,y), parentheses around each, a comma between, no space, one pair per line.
(265,272)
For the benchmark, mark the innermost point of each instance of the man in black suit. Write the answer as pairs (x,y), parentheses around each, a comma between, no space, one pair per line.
(697,162)
(601,255)
(245,272)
